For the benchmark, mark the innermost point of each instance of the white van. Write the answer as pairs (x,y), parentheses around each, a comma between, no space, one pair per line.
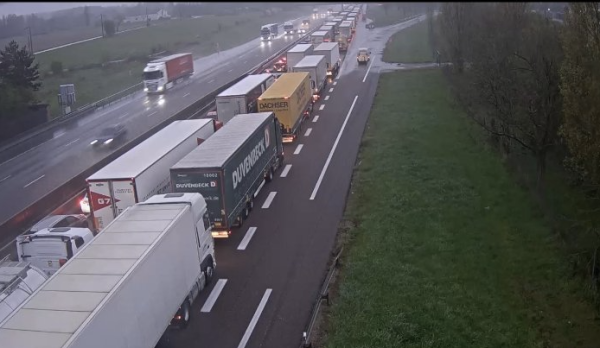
(18,280)
(50,248)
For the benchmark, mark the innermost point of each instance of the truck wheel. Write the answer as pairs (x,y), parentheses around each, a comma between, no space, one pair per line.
(269,177)
(251,204)
(186,314)
(209,274)
(246,213)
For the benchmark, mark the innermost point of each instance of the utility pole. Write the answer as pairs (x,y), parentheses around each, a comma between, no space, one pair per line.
(147,18)
(102,24)
(30,40)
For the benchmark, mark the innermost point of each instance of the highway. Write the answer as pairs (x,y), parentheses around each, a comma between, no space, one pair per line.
(50,160)
(269,272)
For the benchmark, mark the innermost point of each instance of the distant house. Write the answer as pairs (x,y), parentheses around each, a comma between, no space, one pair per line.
(142,18)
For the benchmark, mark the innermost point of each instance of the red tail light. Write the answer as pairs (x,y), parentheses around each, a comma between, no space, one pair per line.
(61,262)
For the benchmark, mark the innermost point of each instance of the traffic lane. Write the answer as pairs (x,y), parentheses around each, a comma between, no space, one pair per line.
(203,82)
(316,227)
(202,65)
(288,254)
(36,164)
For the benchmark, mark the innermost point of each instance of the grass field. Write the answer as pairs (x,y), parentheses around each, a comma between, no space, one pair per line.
(382,17)
(199,36)
(448,251)
(410,45)
(62,37)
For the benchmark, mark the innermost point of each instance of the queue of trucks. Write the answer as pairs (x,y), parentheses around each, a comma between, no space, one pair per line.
(191,182)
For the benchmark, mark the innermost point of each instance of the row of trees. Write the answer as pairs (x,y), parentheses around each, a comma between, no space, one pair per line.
(523,76)
(533,83)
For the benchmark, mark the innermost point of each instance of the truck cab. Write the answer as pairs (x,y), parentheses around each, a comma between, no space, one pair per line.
(155,77)
(304,26)
(50,248)
(363,56)
(289,28)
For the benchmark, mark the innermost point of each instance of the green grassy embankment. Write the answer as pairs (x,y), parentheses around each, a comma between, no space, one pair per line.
(410,45)
(94,82)
(445,248)
(382,16)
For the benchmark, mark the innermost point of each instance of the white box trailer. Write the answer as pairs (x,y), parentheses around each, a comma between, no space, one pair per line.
(329,29)
(296,53)
(143,171)
(319,37)
(125,288)
(331,51)
(316,67)
(242,98)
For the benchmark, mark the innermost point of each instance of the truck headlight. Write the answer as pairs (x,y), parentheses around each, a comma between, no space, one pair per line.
(146,89)
(160,88)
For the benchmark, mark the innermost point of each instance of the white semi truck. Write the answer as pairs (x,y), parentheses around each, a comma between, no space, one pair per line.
(316,67)
(242,98)
(143,171)
(331,51)
(126,287)
(161,74)
(296,53)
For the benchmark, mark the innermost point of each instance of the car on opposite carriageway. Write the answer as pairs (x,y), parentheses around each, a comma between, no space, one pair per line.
(108,135)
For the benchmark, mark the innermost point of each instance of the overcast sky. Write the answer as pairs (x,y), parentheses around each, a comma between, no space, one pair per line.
(26,8)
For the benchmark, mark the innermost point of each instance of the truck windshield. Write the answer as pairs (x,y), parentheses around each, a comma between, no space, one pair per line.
(265,32)
(288,26)
(153,75)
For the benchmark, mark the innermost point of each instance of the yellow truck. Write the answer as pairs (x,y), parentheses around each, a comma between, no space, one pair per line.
(290,99)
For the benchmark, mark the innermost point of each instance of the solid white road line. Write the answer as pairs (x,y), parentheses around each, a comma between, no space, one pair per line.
(322,107)
(315,119)
(247,238)
(255,317)
(335,144)
(34,181)
(369,69)
(298,149)
(269,200)
(308,131)
(284,173)
(214,295)
(331,90)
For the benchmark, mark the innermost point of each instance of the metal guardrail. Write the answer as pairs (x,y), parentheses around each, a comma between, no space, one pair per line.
(323,295)
(69,189)
(84,110)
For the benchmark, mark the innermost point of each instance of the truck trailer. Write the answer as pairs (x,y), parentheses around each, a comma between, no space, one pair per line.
(318,37)
(316,66)
(18,280)
(289,98)
(345,36)
(143,171)
(230,168)
(330,30)
(331,51)
(161,74)
(127,286)
(242,98)
(296,53)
